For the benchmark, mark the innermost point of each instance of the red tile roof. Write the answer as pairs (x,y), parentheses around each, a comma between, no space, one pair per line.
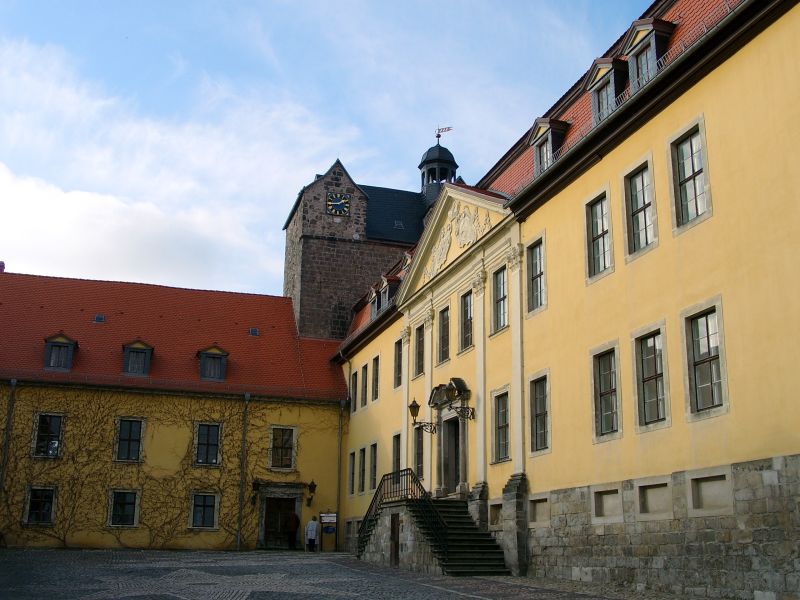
(176,322)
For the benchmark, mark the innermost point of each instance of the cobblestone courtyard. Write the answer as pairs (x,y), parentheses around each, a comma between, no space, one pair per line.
(154,575)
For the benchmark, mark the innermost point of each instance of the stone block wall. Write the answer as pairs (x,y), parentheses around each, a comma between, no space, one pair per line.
(729,532)
(415,553)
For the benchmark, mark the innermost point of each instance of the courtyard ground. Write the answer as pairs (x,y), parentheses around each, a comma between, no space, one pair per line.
(169,575)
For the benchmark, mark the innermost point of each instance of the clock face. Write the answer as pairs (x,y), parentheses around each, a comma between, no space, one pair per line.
(337,203)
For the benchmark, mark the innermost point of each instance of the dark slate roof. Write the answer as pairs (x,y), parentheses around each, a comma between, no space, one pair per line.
(437,153)
(388,208)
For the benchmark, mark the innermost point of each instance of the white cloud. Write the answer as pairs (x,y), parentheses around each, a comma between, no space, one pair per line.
(121,196)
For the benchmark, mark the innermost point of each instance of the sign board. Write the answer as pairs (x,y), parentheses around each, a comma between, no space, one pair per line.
(327,517)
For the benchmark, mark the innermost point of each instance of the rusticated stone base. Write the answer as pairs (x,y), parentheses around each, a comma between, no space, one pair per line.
(513,538)
(478,505)
(415,553)
(728,532)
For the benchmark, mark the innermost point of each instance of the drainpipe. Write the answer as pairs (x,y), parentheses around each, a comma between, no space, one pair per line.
(7,433)
(242,462)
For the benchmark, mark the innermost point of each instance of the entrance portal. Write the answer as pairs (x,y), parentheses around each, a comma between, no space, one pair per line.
(277,512)
(451,460)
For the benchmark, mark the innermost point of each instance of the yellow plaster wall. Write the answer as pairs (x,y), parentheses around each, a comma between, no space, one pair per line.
(85,471)
(744,252)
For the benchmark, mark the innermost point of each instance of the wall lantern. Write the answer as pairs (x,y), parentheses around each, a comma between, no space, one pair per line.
(312,488)
(413,408)
(456,391)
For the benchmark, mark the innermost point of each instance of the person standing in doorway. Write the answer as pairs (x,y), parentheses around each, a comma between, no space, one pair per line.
(311,534)
(291,525)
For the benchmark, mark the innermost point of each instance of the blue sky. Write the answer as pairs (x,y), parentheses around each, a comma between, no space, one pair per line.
(165,142)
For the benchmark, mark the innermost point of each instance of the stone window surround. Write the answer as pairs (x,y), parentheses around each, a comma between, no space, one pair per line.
(495,314)
(437,349)
(693,475)
(361,473)
(368,484)
(594,352)
(365,385)
(195,441)
(397,364)
(36,416)
(686,316)
(651,481)
(351,473)
(142,422)
(636,335)
(539,497)
(588,277)
(217,497)
(601,488)
(530,379)
(541,236)
(696,124)
(294,429)
(136,506)
(645,161)
(27,505)
(493,394)
(415,344)
(374,393)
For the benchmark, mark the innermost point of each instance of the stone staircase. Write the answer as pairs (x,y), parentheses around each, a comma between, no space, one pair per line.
(470,551)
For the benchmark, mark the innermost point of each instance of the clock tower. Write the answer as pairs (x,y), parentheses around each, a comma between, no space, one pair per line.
(341,237)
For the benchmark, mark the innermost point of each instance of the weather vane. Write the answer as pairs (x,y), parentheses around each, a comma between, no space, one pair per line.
(440,131)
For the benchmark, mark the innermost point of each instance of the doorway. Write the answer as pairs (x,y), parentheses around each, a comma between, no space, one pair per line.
(394,538)
(277,512)
(451,459)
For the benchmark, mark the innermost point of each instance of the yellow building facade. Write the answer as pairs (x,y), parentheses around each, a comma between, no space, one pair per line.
(627,347)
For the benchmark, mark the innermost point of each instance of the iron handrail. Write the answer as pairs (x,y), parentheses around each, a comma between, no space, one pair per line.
(404,486)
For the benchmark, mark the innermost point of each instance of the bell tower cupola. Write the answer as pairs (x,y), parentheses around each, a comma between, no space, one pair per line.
(436,167)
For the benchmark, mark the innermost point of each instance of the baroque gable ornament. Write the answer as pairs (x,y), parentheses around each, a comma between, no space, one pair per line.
(469,226)
(439,253)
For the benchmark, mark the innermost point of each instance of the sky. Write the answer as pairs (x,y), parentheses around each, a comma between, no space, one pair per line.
(165,142)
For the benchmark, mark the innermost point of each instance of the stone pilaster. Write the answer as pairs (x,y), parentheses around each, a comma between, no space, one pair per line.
(514,540)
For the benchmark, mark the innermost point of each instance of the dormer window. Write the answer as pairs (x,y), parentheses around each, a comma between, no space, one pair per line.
(373,305)
(384,296)
(645,43)
(58,351)
(605,83)
(213,362)
(136,357)
(546,138)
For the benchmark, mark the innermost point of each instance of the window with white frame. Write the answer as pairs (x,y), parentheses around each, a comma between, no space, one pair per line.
(540,434)
(129,440)
(466,321)
(444,334)
(208,443)
(650,378)
(501,427)
(599,236)
(641,216)
(690,185)
(500,290)
(705,368)
(535,275)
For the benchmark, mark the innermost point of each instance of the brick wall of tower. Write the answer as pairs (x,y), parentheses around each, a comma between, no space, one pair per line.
(334,274)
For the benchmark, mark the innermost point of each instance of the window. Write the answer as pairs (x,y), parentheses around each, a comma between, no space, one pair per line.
(706,374)
(207,444)
(444,334)
(419,452)
(544,155)
(373,466)
(687,154)
(500,316)
(599,236)
(136,359)
(364,383)
(396,453)
(351,473)
(375,377)
(123,508)
(40,506)
(650,379)
(605,100)
(419,350)
(282,451)
(48,436)
(362,469)
(639,197)
(204,511)
(58,351)
(129,439)
(501,427)
(605,385)
(213,363)
(539,429)
(535,276)
(644,67)
(466,321)
(384,298)
(354,390)
(373,307)
(398,363)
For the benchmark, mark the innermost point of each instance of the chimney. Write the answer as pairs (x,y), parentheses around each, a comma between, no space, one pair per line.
(2,266)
